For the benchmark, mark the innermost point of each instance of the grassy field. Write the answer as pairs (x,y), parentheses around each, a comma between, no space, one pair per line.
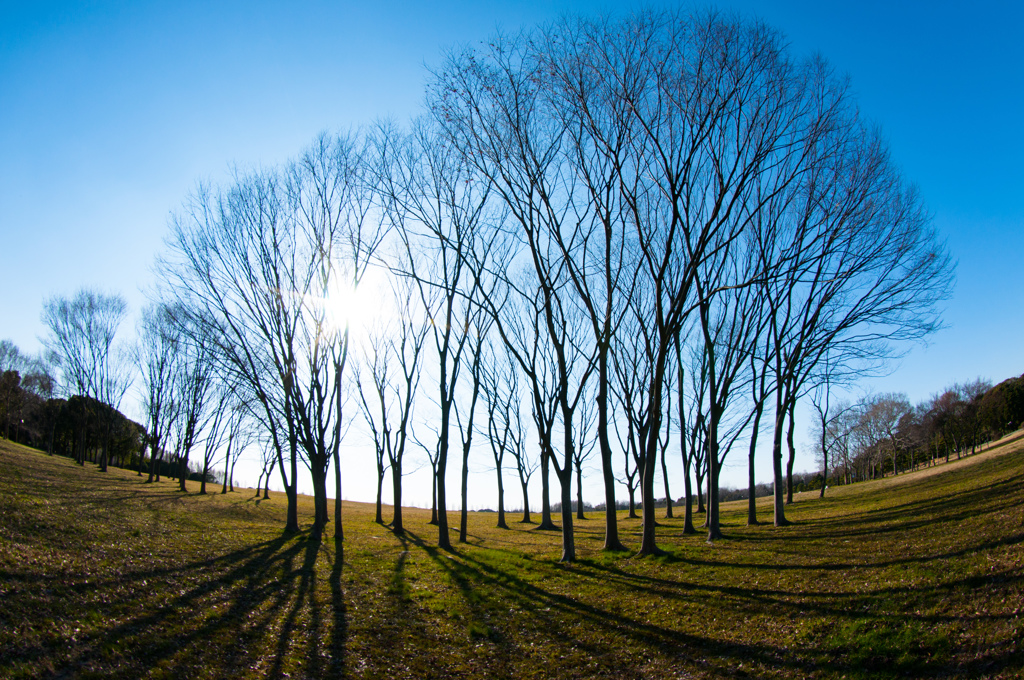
(104,576)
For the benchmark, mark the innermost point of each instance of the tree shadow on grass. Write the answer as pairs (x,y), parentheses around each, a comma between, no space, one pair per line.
(853,632)
(253,609)
(513,614)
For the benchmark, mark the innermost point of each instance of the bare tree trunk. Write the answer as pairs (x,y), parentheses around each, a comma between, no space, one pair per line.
(568,538)
(433,500)
(668,494)
(464,514)
(291,491)
(792,454)
(714,466)
(611,517)
(545,489)
(501,502)
(579,493)
(751,479)
(443,539)
(182,471)
(319,506)
(778,480)
(266,482)
(396,491)
(688,527)
(824,454)
(339,533)
(379,519)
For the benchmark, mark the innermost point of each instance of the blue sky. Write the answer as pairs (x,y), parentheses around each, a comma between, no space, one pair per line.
(110,112)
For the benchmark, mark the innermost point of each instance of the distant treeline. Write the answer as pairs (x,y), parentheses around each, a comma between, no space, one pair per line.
(885,434)
(80,428)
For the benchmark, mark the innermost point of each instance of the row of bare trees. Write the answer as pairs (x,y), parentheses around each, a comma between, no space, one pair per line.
(684,208)
(628,237)
(659,229)
(184,403)
(882,434)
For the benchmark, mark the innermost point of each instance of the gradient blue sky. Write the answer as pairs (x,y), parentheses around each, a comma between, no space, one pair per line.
(110,112)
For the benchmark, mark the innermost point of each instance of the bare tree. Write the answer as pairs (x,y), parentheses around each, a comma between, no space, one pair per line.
(505,427)
(241,432)
(81,343)
(587,441)
(687,439)
(500,388)
(157,354)
(494,106)
(627,442)
(863,271)
(433,199)
(375,406)
(830,430)
(215,427)
(729,321)
(518,320)
(194,383)
(270,265)
(394,356)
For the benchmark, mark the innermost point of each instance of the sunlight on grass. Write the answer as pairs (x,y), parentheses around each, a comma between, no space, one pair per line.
(102,575)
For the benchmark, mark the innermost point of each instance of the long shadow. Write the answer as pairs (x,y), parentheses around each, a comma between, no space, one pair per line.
(473,574)
(339,611)
(555,611)
(813,656)
(827,603)
(154,636)
(117,612)
(833,565)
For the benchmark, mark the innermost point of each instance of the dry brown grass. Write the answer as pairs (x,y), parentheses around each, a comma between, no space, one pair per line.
(102,575)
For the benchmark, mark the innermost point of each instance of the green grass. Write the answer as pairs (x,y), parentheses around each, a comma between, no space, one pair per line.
(102,575)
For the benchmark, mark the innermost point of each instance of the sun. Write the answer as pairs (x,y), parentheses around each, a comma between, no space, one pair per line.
(358,308)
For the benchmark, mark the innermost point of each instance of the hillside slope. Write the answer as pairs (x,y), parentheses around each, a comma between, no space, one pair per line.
(101,575)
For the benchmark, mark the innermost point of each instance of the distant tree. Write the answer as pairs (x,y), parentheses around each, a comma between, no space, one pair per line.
(393,359)
(829,429)
(587,442)
(10,398)
(498,386)
(10,356)
(374,404)
(972,393)
(215,426)
(478,328)
(81,337)
(157,355)
(518,320)
(1002,408)
(242,430)
(687,439)
(627,442)
(505,427)
(268,460)
(948,413)
(195,384)
(879,425)
(436,205)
